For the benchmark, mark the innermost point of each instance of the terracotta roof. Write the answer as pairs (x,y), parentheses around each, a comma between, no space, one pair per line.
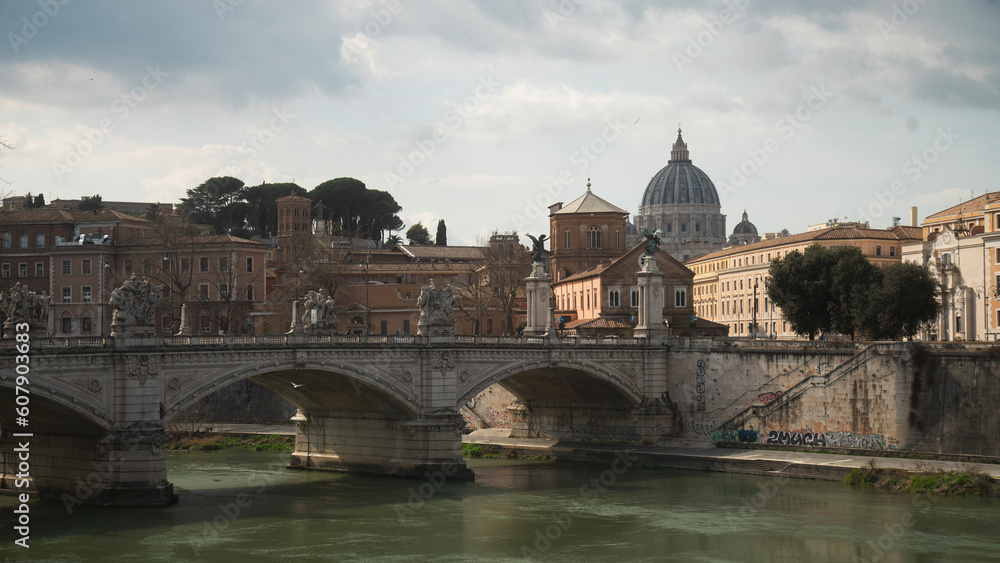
(973,205)
(588,272)
(589,203)
(616,322)
(50,215)
(900,233)
(434,252)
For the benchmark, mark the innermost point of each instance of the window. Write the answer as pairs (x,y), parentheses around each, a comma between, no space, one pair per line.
(670,227)
(87,325)
(185,264)
(383,327)
(594,237)
(22,270)
(85,265)
(67,325)
(618,238)
(878,250)
(406,326)
(684,227)
(223,292)
(697,227)
(40,239)
(203,324)
(566,241)
(680,298)
(39,269)
(892,251)
(147,266)
(250,292)
(250,264)
(67,294)
(6,270)
(614,298)
(6,241)
(203,291)
(223,263)
(203,263)
(127,268)
(67,267)
(958,323)
(24,239)
(85,294)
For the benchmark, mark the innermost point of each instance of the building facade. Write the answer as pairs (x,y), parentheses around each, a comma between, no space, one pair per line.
(961,249)
(730,286)
(585,233)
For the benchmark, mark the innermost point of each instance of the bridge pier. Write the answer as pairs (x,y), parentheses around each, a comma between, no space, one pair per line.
(381,444)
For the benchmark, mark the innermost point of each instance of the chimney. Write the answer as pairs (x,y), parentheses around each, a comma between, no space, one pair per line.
(913,216)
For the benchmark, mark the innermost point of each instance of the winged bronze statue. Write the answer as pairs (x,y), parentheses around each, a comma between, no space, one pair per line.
(538,247)
(653,238)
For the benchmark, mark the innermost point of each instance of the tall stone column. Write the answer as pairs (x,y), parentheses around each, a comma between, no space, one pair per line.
(650,322)
(537,293)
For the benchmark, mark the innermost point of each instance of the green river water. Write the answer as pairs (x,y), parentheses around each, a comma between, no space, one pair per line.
(245,507)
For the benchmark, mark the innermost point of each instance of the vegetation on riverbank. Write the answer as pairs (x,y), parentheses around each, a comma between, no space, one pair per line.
(209,441)
(967,483)
(495,452)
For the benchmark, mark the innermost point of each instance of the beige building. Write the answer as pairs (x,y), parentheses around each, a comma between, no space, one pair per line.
(730,286)
(961,248)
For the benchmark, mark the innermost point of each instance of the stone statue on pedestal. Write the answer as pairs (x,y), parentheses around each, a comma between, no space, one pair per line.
(134,304)
(436,306)
(326,318)
(24,306)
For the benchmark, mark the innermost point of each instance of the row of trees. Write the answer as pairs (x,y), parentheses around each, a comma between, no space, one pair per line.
(228,206)
(839,290)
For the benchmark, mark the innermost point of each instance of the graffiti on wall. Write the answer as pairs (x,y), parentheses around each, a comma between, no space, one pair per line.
(765,398)
(699,386)
(498,418)
(704,427)
(744,436)
(817,439)
(838,439)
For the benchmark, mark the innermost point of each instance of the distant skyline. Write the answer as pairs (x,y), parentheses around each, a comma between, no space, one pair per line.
(483,113)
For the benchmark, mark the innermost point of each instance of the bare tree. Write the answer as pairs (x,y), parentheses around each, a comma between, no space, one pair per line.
(176,240)
(475,299)
(504,266)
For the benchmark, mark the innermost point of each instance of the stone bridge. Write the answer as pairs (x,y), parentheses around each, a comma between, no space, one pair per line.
(375,404)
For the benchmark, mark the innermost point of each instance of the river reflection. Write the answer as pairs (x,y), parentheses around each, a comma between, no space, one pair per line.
(243,506)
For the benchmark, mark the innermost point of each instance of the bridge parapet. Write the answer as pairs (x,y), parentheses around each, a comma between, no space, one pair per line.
(240,341)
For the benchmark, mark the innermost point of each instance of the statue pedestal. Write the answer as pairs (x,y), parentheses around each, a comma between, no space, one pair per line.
(296,327)
(537,296)
(650,323)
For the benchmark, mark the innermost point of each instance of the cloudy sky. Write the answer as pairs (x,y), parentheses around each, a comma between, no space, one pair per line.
(485,112)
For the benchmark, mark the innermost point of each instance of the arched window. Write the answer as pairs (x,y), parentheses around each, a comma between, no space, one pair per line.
(6,240)
(566,239)
(594,237)
(618,238)
(40,239)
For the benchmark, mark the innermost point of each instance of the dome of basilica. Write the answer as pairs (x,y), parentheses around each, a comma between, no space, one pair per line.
(745,227)
(680,181)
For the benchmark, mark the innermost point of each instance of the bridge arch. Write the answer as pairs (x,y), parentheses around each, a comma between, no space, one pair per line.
(556,379)
(346,386)
(56,406)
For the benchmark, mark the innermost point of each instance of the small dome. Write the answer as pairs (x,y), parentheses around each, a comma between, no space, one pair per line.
(745,227)
(680,181)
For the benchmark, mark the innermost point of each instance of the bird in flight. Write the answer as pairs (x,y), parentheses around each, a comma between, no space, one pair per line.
(296,385)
